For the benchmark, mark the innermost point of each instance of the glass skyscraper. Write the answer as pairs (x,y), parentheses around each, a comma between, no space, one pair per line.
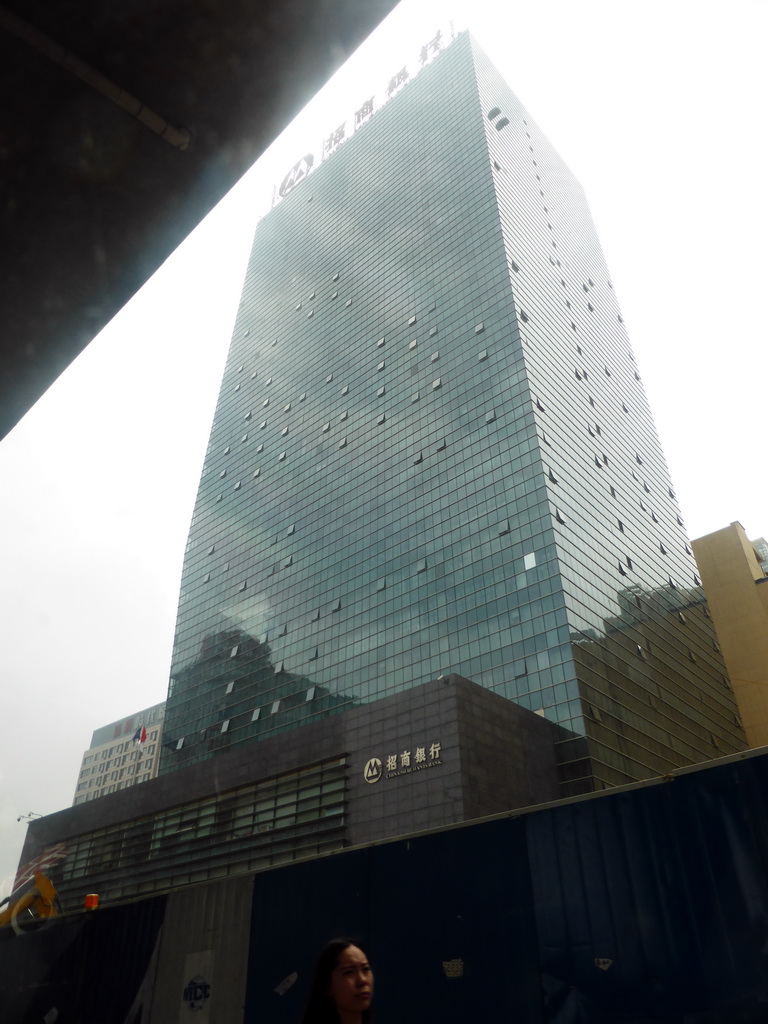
(432,454)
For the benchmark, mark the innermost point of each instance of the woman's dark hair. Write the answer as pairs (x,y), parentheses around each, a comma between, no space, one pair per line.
(321,1009)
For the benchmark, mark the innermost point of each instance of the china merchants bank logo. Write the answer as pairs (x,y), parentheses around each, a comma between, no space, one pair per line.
(297,173)
(373,770)
(404,763)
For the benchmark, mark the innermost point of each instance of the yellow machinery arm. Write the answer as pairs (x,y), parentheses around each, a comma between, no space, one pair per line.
(38,898)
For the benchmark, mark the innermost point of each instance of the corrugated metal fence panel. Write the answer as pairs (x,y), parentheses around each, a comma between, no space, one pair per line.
(296,910)
(652,904)
(91,968)
(204,942)
(446,919)
(453,928)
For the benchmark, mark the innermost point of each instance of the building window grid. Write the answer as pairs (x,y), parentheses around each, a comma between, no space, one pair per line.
(287,817)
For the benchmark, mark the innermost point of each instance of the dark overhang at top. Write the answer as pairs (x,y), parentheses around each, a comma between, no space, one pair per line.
(122,126)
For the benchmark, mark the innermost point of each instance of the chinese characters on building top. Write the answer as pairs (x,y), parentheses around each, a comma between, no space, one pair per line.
(363,112)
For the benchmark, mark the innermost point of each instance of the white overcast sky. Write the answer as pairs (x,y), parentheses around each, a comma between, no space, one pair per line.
(658,106)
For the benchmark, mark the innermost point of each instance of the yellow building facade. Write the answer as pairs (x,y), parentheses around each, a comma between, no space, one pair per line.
(736,588)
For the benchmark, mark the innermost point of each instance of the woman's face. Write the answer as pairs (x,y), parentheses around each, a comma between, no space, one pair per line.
(351,987)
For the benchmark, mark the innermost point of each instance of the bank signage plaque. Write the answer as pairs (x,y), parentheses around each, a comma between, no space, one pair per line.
(405,762)
(363,111)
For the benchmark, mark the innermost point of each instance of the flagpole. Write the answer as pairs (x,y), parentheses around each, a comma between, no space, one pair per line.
(139,738)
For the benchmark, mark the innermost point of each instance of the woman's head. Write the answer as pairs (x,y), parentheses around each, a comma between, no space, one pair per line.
(342,987)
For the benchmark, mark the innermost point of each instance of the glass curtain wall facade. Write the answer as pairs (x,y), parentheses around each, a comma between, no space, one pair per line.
(432,453)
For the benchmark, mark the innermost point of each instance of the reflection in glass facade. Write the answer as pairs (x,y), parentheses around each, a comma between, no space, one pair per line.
(432,453)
